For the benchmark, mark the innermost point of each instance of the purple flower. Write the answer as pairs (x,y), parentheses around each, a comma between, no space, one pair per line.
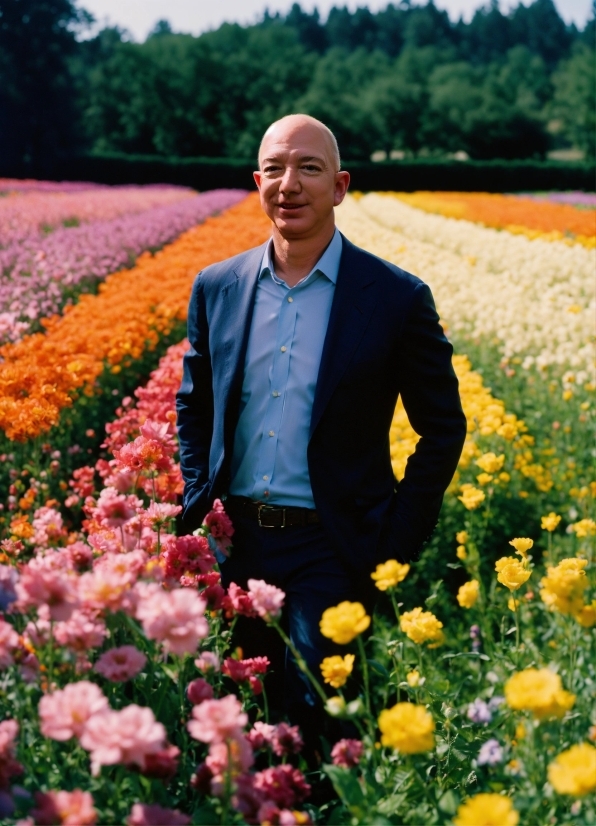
(479,712)
(495,702)
(490,753)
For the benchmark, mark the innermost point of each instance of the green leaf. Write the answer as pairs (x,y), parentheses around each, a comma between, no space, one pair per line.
(390,805)
(380,669)
(448,803)
(347,787)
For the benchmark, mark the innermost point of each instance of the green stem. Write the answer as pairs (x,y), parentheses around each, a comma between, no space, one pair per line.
(517,629)
(300,660)
(365,676)
(227,788)
(51,657)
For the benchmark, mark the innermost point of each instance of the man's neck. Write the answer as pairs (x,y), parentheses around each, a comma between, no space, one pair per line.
(294,258)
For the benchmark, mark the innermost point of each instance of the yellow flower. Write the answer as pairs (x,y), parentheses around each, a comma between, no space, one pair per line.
(504,477)
(563,586)
(344,622)
(422,626)
(574,771)
(462,537)
(540,691)
(413,678)
(461,552)
(484,478)
(586,615)
(520,731)
(389,574)
(513,603)
(522,546)
(487,810)
(336,670)
(408,728)
(511,572)
(490,463)
(586,527)
(468,593)
(471,497)
(550,522)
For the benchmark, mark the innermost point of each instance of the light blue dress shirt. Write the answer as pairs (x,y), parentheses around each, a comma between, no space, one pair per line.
(283,355)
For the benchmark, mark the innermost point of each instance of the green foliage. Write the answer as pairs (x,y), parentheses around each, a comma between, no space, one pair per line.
(575,93)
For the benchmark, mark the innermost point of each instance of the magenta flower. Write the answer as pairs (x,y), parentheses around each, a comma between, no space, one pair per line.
(65,713)
(220,527)
(238,601)
(198,691)
(174,618)
(114,510)
(283,785)
(346,753)
(45,581)
(9,642)
(121,664)
(67,808)
(142,814)
(261,735)
(267,600)
(217,720)
(286,740)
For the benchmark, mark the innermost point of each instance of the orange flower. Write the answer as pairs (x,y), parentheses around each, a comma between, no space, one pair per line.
(44,373)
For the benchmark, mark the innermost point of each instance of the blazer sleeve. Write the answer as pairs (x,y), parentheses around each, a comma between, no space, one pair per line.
(194,406)
(430,395)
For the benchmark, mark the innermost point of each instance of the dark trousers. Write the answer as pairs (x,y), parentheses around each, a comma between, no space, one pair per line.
(300,561)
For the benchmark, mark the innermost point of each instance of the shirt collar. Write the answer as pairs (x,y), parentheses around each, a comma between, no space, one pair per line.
(328,263)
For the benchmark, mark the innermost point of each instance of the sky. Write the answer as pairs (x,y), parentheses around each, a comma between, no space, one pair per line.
(196,16)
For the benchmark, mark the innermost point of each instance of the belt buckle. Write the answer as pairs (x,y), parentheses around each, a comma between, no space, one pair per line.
(262,506)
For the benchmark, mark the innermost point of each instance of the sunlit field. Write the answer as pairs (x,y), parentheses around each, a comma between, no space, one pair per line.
(122,699)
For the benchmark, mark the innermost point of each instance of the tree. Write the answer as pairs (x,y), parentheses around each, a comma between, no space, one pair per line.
(573,103)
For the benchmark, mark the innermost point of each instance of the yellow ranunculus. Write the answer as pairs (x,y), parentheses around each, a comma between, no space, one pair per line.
(336,670)
(422,626)
(484,478)
(344,622)
(586,616)
(462,537)
(511,572)
(574,771)
(461,552)
(408,728)
(490,463)
(522,545)
(413,678)
(550,522)
(513,603)
(540,691)
(471,497)
(562,589)
(585,527)
(468,593)
(487,810)
(389,574)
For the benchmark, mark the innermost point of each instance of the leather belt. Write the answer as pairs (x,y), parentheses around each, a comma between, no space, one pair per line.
(270,516)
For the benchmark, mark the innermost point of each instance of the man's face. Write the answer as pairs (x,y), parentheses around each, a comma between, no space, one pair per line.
(297,180)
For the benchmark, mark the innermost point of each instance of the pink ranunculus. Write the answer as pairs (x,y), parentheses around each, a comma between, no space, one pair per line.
(160,513)
(207,661)
(286,739)
(48,525)
(114,509)
(125,737)
(239,601)
(67,808)
(65,713)
(83,631)
(121,664)
(347,753)
(267,600)
(284,785)
(9,642)
(220,527)
(234,756)
(184,555)
(9,767)
(261,735)
(198,691)
(217,720)
(142,814)
(175,618)
(46,581)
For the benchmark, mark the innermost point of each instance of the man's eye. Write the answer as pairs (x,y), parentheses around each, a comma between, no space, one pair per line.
(310,167)
(270,170)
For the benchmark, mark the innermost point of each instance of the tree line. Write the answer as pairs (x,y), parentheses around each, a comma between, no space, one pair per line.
(406,80)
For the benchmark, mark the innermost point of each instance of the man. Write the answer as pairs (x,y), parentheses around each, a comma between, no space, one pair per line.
(299,351)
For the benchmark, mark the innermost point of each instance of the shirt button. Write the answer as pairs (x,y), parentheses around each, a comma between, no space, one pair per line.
(290,299)
(265,478)
(266,493)
(275,394)
(272,433)
(283,349)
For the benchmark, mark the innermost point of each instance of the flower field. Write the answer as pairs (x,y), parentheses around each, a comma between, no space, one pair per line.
(467,699)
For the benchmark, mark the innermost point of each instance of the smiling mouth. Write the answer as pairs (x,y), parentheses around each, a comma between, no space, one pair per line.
(290,206)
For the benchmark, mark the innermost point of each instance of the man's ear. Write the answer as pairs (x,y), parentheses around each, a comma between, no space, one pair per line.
(342,182)
(257,176)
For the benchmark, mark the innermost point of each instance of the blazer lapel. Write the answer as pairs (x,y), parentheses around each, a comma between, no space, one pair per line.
(351,310)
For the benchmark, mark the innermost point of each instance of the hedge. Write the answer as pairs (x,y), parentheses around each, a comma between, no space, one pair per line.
(406,176)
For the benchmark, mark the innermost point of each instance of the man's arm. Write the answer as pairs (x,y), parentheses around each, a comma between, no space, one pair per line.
(429,391)
(194,405)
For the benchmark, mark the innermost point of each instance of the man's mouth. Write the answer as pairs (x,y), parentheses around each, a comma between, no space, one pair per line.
(290,206)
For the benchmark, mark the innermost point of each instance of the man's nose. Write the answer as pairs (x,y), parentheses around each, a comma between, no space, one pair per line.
(290,181)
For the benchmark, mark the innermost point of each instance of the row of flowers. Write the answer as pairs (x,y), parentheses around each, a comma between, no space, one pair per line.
(34,213)
(533,300)
(16,186)
(546,220)
(41,275)
(42,374)
(586,200)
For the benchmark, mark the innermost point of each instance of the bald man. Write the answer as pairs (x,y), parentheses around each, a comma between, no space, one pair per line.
(299,350)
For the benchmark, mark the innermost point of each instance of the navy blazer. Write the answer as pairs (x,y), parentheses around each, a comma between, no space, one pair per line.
(383,340)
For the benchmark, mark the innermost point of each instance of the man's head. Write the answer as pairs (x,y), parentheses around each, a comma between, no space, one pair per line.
(299,177)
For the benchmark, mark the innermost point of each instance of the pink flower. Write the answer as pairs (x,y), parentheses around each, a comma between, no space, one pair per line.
(246,671)
(81,632)
(272,815)
(198,691)
(143,814)
(67,808)
(9,767)
(162,764)
(208,661)
(65,713)
(234,755)
(346,753)
(267,600)
(48,525)
(109,584)
(114,509)
(284,785)
(147,455)
(239,601)
(175,618)
(185,555)
(126,737)
(160,513)
(286,740)
(220,527)
(261,735)
(9,642)
(121,664)
(217,720)
(45,581)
